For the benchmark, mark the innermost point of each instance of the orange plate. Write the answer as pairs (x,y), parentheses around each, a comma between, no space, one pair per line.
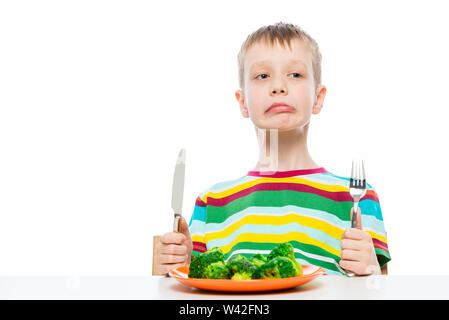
(309,273)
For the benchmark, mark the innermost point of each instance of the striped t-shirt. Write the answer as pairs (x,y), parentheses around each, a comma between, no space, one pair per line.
(308,208)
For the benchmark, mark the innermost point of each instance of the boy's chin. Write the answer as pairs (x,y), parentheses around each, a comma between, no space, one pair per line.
(280,126)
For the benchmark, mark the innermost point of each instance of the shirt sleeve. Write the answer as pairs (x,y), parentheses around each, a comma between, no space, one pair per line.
(372,222)
(197,227)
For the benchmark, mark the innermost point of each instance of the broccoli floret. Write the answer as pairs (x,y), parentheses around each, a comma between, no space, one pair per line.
(282,250)
(260,257)
(214,254)
(217,270)
(237,257)
(298,268)
(242,276)
(258,260)
(279,267)
(200,263)
(286,250)
(241,268)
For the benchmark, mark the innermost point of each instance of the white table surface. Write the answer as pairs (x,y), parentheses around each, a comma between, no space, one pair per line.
(161,287)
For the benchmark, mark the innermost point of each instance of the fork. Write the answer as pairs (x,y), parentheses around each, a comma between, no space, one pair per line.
(357,187)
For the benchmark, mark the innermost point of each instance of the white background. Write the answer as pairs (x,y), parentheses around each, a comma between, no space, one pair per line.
(97,98)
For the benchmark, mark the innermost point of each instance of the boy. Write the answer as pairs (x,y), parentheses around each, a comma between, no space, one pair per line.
(289,197)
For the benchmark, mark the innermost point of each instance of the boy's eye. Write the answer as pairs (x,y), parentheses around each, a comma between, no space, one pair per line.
(260,75)
(296,75)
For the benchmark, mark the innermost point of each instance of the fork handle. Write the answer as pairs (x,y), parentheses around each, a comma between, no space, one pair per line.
(354,214)
(353,225)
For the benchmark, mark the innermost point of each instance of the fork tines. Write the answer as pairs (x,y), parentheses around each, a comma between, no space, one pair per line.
(357,179)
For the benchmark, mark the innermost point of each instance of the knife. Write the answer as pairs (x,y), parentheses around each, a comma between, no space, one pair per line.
(178,189)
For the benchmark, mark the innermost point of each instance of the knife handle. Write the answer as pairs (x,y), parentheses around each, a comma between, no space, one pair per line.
(177,223)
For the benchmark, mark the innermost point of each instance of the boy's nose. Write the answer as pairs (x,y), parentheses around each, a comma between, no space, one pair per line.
(275,91)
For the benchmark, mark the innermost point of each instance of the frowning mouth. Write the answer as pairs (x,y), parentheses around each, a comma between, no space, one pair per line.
(279,107)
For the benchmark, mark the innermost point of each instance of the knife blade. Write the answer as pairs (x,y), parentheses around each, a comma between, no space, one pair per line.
(178,189)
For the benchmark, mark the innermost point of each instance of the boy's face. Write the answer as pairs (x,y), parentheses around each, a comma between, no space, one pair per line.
(279,75)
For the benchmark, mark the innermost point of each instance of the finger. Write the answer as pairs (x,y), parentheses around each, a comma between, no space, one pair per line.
(350,266)
(352,255)
(173,237)
(353,233)
(184,228)
(351,244)
(173,249)
(172,258)
(356,267)
(165,268)
(359,218)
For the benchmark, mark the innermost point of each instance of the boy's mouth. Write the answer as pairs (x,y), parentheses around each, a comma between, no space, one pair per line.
(279,107)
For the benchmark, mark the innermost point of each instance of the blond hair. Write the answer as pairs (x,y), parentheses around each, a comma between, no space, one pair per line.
(282,33)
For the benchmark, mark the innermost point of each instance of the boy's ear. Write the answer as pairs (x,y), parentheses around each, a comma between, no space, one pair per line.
(241,100)
(320,95)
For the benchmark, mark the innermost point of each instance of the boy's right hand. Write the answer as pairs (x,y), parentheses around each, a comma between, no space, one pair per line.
(174,249)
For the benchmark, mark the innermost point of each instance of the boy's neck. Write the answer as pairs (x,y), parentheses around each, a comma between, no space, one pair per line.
(289,146)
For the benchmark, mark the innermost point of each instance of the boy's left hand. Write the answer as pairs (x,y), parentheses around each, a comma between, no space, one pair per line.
(357,250)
